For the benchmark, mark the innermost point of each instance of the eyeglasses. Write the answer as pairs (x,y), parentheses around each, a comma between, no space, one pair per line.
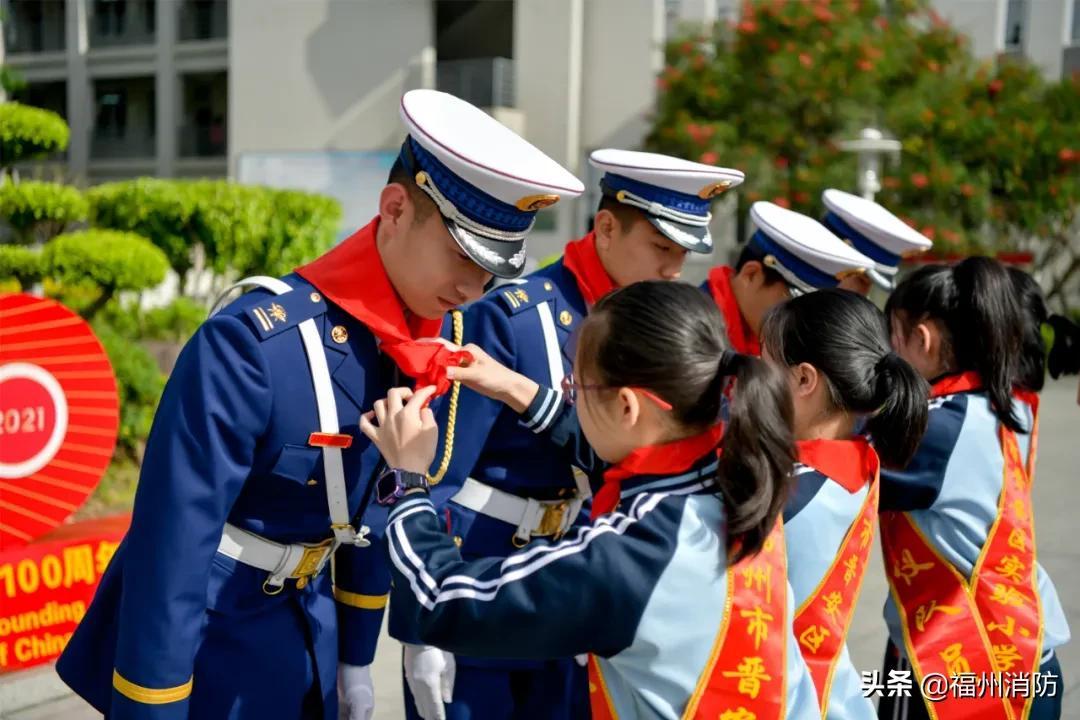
(570,390)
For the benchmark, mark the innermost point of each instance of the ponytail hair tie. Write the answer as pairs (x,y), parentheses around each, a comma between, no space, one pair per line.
(728,362)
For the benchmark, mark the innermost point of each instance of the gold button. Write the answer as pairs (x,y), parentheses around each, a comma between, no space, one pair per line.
(312,481)
(301,583)
(565,318)
(458,540)
(547,286)
(339,333)
(592,687)
(315,297)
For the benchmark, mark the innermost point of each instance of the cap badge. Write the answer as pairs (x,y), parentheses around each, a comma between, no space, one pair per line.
(713,189)
(532,203)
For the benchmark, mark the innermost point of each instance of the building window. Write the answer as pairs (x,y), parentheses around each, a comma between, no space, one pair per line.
(125,119)
(205,111)
(46,95)
(1016,20)
(204,19)
(121,22)
(33,26)
(474,43)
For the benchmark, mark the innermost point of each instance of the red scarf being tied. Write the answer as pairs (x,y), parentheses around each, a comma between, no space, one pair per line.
(353,277)
(739,333)
(581,259)
(667,459)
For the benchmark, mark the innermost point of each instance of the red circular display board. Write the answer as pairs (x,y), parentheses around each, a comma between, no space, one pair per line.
(59,415)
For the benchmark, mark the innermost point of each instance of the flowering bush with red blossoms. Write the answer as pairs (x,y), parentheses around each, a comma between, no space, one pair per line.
(991,158)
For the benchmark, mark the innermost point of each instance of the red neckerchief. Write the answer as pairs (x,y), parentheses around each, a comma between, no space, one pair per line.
(666,459)
(849,463)
(970,380)
(743,340)
(352,275)
(957,383)
(582,260)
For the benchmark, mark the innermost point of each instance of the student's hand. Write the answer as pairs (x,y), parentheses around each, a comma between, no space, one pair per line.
(490,378)
(404,429)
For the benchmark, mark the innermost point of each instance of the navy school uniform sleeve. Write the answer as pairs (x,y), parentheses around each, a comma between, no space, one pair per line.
(918,485)
(550,415)
(586,593)
(214,409)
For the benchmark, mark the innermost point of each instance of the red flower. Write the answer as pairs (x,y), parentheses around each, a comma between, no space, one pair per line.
(882,22)
(781,162)
(662,83)
(747,27)
(865,65)
(995,87)
(805,59)
(929,232)
(933,66)
(802,197)
(709,158)
(919,180)
(967,190)
(772,44)
(1067,155)
(782,202)
(823,14)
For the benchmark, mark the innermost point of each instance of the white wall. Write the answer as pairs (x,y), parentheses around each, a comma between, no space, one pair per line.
(324,74)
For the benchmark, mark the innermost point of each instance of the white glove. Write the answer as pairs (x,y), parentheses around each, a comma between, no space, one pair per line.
(582,659)
(430,674)
(356,694)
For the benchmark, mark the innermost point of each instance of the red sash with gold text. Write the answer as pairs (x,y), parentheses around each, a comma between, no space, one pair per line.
(990,624)
(823,620)
(745,677)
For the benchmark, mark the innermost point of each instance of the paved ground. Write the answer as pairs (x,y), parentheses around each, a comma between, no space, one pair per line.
(1057,507)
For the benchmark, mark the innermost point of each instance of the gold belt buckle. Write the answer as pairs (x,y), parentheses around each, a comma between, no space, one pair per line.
(309,563)
(551,521)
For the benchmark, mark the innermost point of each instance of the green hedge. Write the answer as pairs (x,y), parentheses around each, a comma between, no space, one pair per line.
(21,264)
(111,260)
(27,133)
(241,229)
(139,381)
(28,206)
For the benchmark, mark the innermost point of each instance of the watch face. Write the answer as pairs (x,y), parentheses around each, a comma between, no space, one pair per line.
(388,488)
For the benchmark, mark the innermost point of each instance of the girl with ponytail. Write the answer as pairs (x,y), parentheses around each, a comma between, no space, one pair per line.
(648,588)
(957,525)
(833,345)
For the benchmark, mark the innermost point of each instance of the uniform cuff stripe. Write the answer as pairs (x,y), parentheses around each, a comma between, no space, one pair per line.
(356,600)
(150,696)
(541,406)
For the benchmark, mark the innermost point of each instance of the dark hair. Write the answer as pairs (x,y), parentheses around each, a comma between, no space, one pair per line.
(424,205)
(751,252)
(846,338)
(1064,355)
(1031,372)
(624,214)
(975,304)
(669,338)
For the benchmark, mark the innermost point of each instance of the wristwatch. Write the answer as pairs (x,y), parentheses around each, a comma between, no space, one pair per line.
(394,483)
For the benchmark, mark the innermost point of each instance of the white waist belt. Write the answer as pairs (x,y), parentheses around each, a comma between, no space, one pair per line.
(299,561)
(532,518)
